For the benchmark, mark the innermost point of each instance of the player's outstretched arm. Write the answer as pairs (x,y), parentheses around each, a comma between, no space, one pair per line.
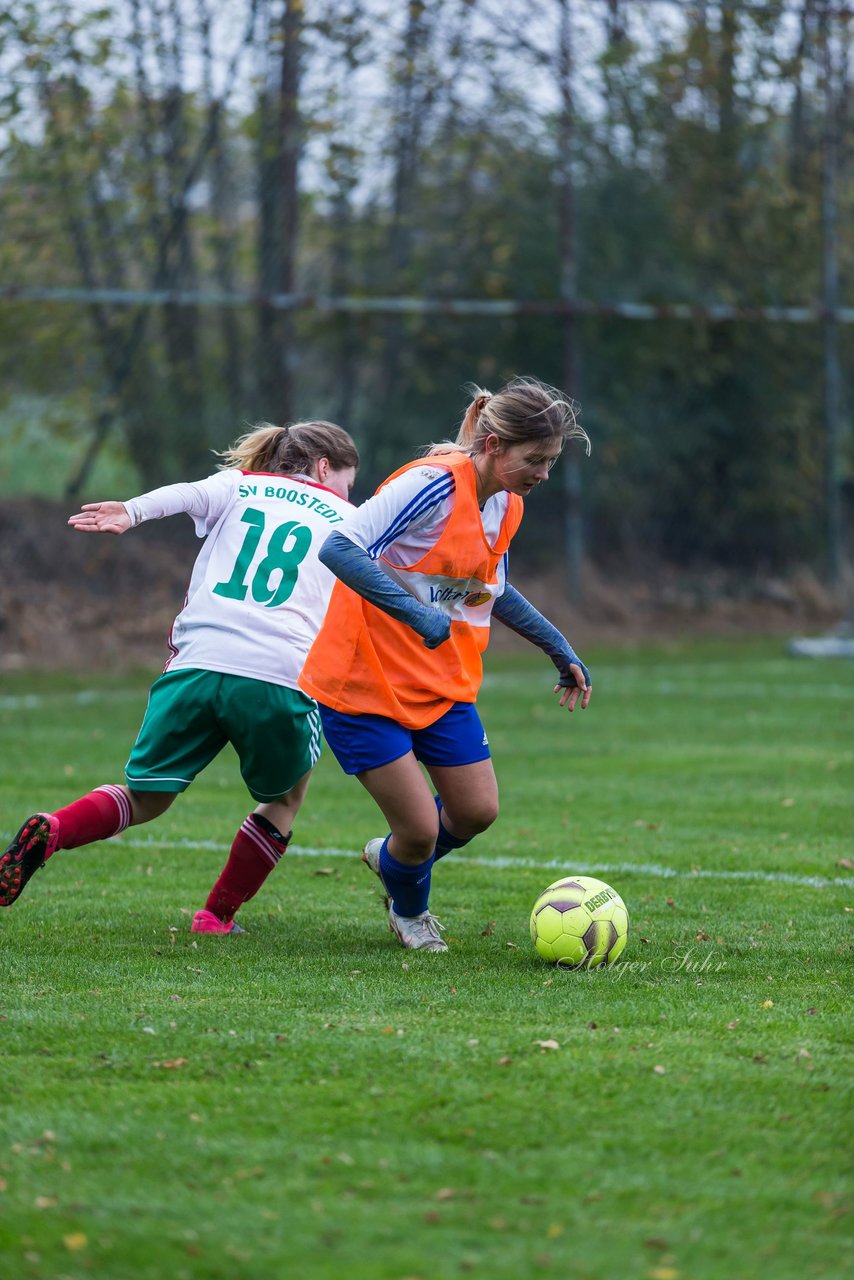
(203,500)
(354,566)
(101,517)
(517,613)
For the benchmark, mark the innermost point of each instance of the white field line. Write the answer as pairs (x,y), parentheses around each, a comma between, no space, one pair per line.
(705,682)
(651,869)
(703,686)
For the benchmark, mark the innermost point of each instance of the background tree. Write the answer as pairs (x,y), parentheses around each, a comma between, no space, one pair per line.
(207,162)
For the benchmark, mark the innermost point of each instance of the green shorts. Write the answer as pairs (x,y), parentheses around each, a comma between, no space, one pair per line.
(192,714)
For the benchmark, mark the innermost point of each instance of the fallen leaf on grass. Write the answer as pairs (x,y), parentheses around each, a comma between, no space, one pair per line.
(445,1193)
(171,1063)
(555,1230)
(488,930)
(659,1069)
(731,1026)
(75,1241)
(324,871)
(767,1004)
(546,1044)
(505,1061)
(45,1202)
(846,863)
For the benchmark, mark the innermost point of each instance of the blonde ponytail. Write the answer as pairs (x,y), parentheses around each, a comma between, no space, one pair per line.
(291,450)
(467,434)
(253,450)
(524,410)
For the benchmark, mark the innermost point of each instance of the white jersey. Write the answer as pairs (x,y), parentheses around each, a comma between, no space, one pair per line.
(404,520)
(258,592)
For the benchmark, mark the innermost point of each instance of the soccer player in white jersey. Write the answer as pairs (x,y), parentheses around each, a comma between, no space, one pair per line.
(256,599)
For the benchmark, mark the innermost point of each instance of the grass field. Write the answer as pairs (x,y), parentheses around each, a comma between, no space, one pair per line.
(309,1100)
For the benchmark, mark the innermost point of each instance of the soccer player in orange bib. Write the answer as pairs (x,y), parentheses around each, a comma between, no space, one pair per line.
(256,598)
(397,664)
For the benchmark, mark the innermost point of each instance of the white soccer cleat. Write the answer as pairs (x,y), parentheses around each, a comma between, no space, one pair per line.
(417,933)
(371,855)
(371,859)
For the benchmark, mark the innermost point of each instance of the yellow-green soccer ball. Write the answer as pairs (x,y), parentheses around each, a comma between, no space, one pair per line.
(579,923)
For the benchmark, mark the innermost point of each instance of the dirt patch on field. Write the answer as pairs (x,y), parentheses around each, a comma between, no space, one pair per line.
(75,601)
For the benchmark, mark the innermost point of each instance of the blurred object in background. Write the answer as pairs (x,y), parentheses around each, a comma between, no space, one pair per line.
(838,643)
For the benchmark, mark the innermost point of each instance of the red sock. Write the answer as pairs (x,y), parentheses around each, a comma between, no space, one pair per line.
(102,813)
(255,851)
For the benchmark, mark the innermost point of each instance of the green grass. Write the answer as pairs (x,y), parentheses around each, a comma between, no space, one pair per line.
(309,1100)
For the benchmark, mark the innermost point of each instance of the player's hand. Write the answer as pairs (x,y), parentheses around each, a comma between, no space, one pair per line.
(101,517)
(437,629)
(574,686)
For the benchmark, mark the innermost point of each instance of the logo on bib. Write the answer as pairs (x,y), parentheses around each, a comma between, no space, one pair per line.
(475,598)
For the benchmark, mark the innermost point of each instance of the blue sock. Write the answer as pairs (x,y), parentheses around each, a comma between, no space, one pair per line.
(408,887)
(445,842)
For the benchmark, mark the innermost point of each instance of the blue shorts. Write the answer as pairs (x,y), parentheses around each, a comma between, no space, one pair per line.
(360,743)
